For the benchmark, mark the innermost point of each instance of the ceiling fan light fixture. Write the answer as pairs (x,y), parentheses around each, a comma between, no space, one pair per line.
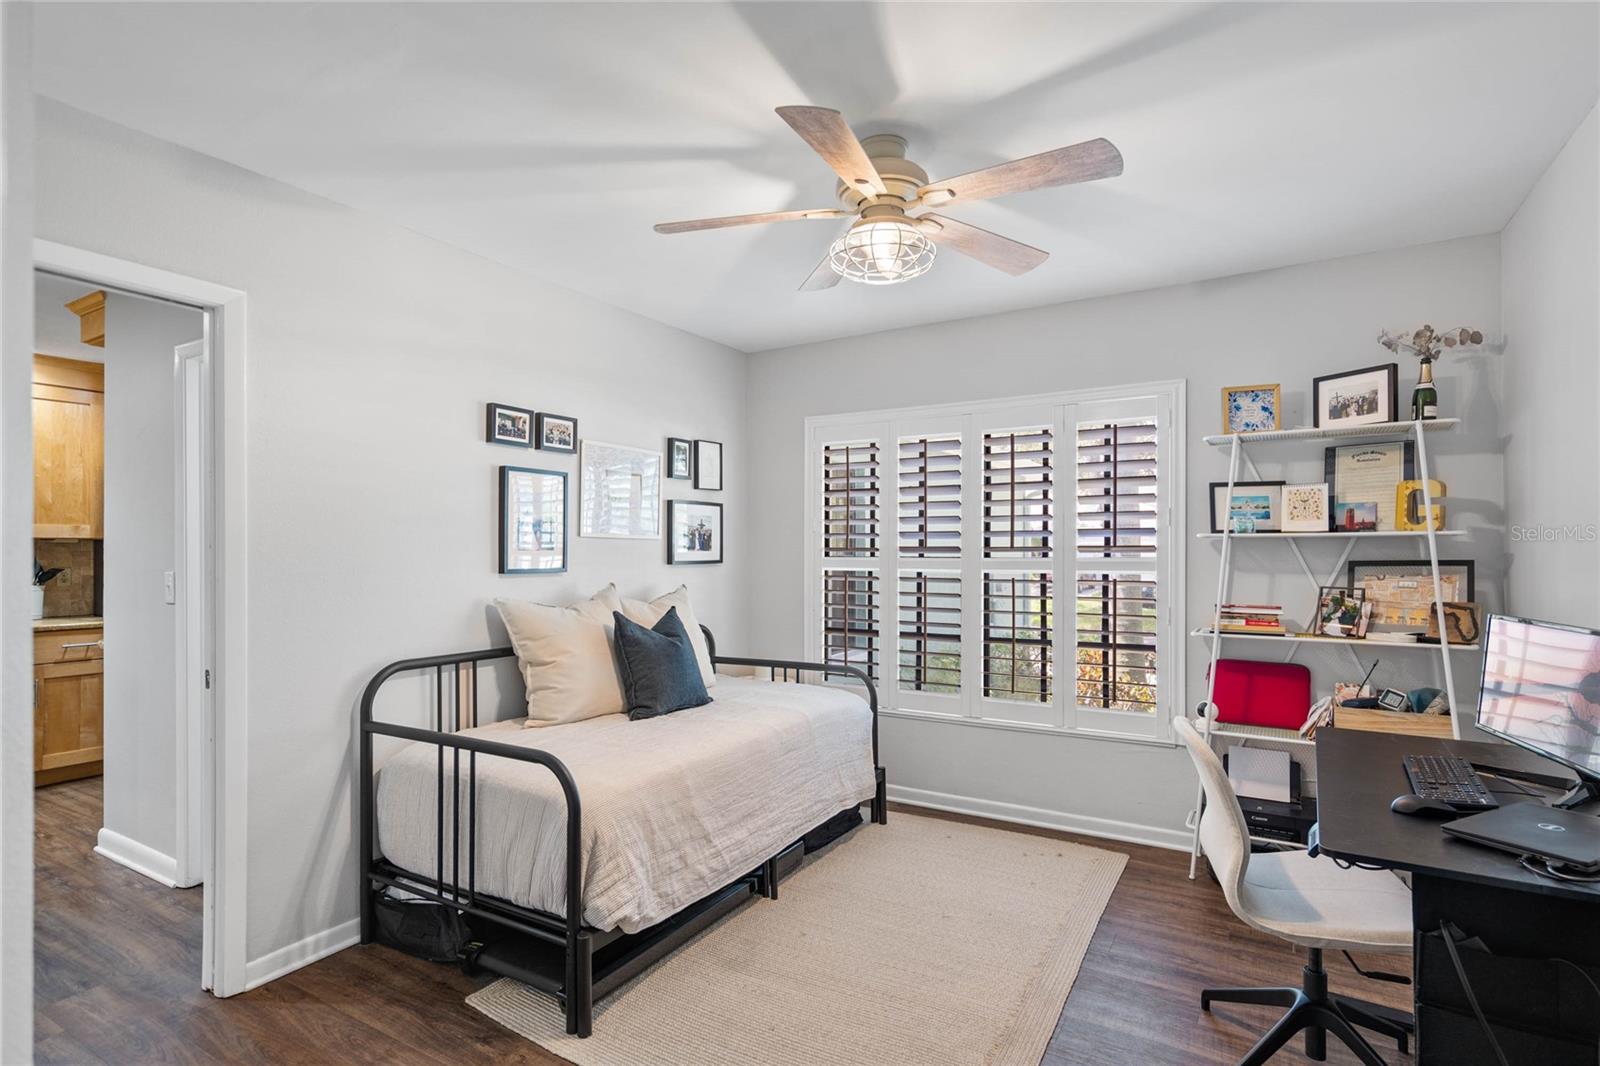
(882,252)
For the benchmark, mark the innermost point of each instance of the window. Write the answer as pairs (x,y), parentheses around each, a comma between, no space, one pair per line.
(961,591)
(930,632)
(1118,518)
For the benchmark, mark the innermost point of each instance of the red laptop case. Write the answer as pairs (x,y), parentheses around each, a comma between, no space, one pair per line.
(1257,693)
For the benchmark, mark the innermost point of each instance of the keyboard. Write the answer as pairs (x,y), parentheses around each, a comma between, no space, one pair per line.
(1449,778)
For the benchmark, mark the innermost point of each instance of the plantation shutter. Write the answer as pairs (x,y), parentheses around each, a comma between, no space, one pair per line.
(850,495)
(1017,623)
(930,631)
(850,619)
(1018,487)
(1118,519)
(930,496)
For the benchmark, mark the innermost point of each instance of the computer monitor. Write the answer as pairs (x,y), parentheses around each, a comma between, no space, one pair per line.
(1541,691)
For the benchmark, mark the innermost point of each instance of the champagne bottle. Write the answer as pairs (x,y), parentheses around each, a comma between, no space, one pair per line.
(1425,398)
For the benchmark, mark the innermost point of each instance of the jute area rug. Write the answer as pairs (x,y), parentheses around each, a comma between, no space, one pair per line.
(921,942)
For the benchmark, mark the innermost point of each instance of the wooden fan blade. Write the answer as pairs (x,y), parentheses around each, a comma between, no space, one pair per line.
(826,131)
(823,277)
(748,220)
(1089,161)
(991,249)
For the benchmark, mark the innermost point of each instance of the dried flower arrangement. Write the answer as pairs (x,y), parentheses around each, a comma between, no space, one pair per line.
(1427,345)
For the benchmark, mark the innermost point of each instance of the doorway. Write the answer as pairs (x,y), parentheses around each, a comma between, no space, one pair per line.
(200,588)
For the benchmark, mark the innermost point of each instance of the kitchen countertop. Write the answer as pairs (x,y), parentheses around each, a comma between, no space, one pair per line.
(50,625)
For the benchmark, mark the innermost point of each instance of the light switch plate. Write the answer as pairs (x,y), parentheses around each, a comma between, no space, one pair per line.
(169,587)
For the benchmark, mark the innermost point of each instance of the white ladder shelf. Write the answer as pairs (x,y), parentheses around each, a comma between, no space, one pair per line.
(1237,443)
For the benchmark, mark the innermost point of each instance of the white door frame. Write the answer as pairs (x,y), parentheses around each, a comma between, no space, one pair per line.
(191,597)
(225,885)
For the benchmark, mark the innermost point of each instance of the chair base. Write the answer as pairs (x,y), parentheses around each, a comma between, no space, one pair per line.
(1313,1010)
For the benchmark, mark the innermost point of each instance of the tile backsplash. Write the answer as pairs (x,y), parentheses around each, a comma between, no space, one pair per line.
(72,593)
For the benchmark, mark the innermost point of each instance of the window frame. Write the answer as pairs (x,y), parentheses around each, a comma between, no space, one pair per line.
(1061,412)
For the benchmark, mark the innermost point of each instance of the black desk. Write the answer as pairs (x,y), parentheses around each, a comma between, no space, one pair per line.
(1543,1012)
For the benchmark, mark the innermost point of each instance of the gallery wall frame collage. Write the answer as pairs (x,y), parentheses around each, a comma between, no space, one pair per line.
(620,493)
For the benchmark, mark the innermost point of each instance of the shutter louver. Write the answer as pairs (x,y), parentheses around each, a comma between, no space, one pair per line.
(930,632)
(850,619)
(1117,519)
(1018,488)
(930,496)
(850,494)
(1017,621)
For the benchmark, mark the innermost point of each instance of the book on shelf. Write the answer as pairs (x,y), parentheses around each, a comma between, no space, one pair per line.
(1263,619)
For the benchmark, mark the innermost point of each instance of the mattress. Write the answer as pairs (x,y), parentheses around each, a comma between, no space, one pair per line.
(673,807)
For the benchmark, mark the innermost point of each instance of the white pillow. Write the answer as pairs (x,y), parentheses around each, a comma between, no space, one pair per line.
(648,612)
(566,658)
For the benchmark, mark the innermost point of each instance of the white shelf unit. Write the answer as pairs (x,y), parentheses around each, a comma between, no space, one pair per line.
(1237,445)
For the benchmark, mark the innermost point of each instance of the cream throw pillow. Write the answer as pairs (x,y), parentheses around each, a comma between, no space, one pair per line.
(566,658)
(648,612)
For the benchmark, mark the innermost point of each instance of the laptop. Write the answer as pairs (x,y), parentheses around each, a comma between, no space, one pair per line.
(1533,829)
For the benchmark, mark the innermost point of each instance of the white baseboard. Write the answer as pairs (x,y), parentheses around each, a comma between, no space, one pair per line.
(1110,829)
(275,964)
(137,857)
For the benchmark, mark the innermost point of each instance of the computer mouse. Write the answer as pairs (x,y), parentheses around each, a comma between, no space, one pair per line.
(1422,808)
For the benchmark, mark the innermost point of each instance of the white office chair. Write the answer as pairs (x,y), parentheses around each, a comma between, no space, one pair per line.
(1314,903)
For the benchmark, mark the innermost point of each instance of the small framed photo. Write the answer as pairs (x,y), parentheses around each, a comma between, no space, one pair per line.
(1305,508)
(533,521)
(1355,516)
(509,425)
(694,532)
(1250,408)
(1356,397)
(557,433)
(708,465)
(1256,507)
(680,458)
(1342,612)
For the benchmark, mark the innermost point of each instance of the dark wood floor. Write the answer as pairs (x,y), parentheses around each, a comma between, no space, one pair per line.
(117,977)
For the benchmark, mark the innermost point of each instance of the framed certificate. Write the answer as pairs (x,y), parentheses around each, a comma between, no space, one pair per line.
(1368,474)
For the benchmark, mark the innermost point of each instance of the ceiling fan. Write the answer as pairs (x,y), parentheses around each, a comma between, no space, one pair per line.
(879,188)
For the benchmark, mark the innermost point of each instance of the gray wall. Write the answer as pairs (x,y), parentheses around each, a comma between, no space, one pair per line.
(372,495)
(1551,295)
(140,544)
(1287,326)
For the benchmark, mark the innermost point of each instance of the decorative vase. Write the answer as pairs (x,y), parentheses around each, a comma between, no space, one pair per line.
(38,601)
(1425,398)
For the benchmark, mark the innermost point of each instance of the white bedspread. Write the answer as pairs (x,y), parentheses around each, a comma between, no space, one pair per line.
(673,807)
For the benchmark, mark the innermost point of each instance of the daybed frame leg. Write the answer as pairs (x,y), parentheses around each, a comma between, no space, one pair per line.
(769,878)
(880,800)
(580,985)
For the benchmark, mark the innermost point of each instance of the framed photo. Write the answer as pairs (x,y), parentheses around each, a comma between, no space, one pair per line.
(557,433)
(708,465)
(680,458)
(1356,397)
(694,532)
(620,491)
(1342,612)
(1305,508)
(533,521)
(1369,473)
(1355,516)
(1401,590)
(1259,502)
(509,425)
(1250,408)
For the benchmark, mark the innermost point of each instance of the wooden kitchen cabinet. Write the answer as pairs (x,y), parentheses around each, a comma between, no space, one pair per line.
(68,677)
(68,448)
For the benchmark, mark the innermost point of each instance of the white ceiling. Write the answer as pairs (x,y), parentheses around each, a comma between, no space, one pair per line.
(551,137)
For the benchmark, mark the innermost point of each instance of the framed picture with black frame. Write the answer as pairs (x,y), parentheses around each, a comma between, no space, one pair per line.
(557,433)
(680,458)
(694,532)
(1401,590)
(533,521)
(1259,501)
(708,465)
(509,425)
(1368,473)
(1362,397)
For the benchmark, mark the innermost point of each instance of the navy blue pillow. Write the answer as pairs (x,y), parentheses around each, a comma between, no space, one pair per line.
(659,671)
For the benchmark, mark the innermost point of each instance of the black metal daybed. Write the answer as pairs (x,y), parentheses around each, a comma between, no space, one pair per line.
(556,953)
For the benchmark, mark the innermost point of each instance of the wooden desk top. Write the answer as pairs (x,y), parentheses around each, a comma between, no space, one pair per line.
(1360,773)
